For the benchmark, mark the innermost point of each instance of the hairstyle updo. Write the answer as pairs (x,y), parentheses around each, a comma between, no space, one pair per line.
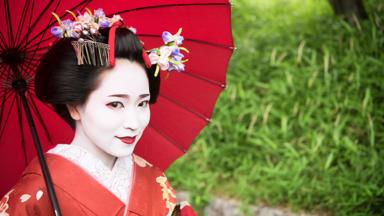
(60,81)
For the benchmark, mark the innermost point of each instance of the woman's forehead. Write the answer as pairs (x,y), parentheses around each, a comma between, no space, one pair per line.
(126,78)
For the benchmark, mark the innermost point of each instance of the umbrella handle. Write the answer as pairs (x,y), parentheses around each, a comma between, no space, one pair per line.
(43,164)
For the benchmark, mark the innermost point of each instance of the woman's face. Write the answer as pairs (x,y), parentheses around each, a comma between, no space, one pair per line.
(117,112)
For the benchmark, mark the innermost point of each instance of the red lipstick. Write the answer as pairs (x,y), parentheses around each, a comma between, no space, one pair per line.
(127,140)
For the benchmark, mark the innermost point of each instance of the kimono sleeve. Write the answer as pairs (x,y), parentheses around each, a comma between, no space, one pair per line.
(186,210)
(183,209)
(27,197)
(169,194)
(30,197)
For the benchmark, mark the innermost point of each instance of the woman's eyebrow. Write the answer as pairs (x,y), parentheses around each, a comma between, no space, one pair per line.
(127,96)
(144,95)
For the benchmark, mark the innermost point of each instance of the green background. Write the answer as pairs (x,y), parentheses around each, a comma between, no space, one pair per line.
(300,124)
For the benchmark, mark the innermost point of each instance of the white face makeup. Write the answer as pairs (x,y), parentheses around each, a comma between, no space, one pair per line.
(115,112)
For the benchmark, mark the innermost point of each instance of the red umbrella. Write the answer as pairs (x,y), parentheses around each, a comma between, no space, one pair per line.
(24,37)
(186,99)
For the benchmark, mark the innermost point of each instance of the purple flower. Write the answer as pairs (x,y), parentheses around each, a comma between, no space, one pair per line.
(104,23)
(99,13)
(73,34)
(177,58)
(178,67)
(66,24)
(167,37)
(57,31)
(176,53)
(178,39)
(171,67)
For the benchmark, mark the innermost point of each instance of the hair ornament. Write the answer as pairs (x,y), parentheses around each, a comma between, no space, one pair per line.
(90,51)
(169,56)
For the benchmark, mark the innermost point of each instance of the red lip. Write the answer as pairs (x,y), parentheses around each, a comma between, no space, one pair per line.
(127,140)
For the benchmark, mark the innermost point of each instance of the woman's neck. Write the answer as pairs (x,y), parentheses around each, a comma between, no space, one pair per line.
(81,140)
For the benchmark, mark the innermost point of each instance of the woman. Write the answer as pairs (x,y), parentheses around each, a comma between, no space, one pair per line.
(108,106)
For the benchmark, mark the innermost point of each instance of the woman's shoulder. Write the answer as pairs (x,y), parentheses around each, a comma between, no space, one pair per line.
(159,186)
(26,197)
(141,161)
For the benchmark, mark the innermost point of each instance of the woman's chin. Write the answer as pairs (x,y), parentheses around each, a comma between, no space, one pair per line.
(124,151)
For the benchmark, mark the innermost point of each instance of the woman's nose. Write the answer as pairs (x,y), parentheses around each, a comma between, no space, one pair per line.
(131,120)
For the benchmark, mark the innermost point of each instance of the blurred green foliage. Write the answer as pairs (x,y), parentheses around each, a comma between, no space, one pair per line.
(301,123)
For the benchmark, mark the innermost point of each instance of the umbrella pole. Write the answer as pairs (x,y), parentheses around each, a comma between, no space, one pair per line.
(47,177)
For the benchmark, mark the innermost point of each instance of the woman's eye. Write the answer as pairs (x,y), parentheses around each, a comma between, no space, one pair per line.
(144,103)
(116,104)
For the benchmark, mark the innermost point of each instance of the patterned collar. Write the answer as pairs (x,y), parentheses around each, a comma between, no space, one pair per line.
(118,180)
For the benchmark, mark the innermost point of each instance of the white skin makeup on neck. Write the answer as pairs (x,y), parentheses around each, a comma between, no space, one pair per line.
(113,118)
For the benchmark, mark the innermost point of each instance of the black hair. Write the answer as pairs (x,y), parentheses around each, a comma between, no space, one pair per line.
(60,81)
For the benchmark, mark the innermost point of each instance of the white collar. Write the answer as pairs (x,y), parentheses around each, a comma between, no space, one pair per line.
(118,180)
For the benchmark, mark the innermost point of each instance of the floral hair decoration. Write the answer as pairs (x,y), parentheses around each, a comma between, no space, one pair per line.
(90,51)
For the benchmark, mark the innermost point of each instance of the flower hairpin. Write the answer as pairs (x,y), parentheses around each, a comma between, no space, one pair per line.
(169,56)
(84,25)
(85,28)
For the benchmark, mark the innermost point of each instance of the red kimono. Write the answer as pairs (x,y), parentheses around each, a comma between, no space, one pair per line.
(79,193)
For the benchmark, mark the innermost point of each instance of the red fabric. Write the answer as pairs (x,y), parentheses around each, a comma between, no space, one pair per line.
(80,194)
(147,61)
(189,96)
(111,42)
(187,211)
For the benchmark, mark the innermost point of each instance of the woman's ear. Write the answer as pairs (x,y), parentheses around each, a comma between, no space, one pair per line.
(73,111)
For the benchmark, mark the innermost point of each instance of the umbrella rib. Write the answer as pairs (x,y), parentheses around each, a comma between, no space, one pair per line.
(3,105)
(3,44)
(30,60)
(7,82)
(31,47)
(3,92)
(168,138)
(186,108)
(49,22)
(214,82)
(22,19)
(24,68)
(27,73)
(3,78)
(39,48)
(171,5)
(31,28)
(26,36)
(9,95)
(2,74)
(9,114)
(26,76)
(9,22)
(38,35)
(31,56)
